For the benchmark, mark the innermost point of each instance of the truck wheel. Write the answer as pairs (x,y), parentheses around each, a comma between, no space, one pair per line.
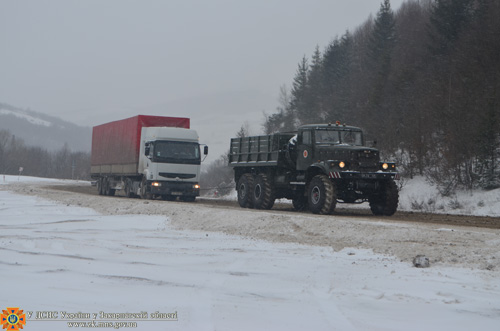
(129,189)
(386,202)
(322,197)
(110,191)
(100,188)
(299,203)
(245,184)
(263,195)
(144,193)
(107,187)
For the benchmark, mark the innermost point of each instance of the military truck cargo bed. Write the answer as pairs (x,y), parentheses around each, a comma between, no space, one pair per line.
(259,150)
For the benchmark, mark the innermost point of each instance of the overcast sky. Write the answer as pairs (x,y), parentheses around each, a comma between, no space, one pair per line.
(92,61)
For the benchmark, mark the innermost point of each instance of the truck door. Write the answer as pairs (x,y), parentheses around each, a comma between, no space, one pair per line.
(304,150)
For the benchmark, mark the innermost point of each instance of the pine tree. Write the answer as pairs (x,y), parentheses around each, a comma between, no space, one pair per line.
(315,89)
(382,43)
(337,62)
(244,130)
(381,46)
(384,34)
(298,103)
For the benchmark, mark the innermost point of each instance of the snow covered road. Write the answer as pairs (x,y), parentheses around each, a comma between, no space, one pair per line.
(59,257)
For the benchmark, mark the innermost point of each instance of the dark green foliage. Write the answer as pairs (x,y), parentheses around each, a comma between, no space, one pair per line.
(315,90)
(337,66)
(381,45)
(299,91)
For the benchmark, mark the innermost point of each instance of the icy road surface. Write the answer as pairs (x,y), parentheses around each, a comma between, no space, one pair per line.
(59,257)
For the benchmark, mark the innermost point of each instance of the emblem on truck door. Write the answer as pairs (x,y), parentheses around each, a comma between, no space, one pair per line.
(305,154)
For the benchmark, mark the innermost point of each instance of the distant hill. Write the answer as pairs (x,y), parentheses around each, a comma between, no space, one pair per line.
(45,131)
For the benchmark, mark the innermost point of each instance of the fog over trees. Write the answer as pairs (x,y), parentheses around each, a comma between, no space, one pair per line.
(39,162)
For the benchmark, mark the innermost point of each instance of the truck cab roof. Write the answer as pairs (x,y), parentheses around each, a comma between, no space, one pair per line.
(330,125)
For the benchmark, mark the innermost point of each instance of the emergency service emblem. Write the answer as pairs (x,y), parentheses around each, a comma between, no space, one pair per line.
(306,153)
(12,319)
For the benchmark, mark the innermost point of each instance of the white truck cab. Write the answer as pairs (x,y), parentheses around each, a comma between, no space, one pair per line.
(169,159)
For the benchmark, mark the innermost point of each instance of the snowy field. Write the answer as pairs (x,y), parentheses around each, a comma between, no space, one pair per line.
(115,258)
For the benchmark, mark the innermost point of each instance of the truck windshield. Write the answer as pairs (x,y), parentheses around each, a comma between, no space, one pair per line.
(347,137)
(176,152)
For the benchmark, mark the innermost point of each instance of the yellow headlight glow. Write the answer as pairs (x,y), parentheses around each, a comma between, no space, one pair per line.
(342,164)
(385,166)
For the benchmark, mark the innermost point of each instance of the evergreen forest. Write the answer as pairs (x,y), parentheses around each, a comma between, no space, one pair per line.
(424,81)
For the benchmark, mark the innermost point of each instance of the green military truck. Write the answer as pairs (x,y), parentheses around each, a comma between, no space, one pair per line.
(316,167)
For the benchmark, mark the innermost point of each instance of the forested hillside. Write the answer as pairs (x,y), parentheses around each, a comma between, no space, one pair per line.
(38,161)
(424,81)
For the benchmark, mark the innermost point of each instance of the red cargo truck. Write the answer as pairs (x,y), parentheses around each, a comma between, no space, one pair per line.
(147,156)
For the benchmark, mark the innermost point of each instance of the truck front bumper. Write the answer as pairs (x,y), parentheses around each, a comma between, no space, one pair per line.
(363,175)
(174,188)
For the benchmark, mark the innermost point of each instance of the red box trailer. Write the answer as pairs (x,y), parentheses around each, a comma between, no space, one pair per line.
(117,143)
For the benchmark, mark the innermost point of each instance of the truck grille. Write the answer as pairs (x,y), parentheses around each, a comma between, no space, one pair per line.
(174,175)
(367,158)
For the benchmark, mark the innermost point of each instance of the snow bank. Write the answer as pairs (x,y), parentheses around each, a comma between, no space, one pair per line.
(9,179)
(418,195)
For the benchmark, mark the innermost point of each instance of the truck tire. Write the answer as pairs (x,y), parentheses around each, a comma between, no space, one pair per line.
(299,203)
(244,188)
(100,187)
(129,192)
(386,202)
(107,188)
(263,193)
(144,190)
(322,197)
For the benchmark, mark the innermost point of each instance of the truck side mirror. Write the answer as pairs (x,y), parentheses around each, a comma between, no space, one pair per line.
(205,150)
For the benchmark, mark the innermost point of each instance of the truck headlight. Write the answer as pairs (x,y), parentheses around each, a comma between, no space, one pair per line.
(388,166)
(196,186)
(156,184)
(340,164)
